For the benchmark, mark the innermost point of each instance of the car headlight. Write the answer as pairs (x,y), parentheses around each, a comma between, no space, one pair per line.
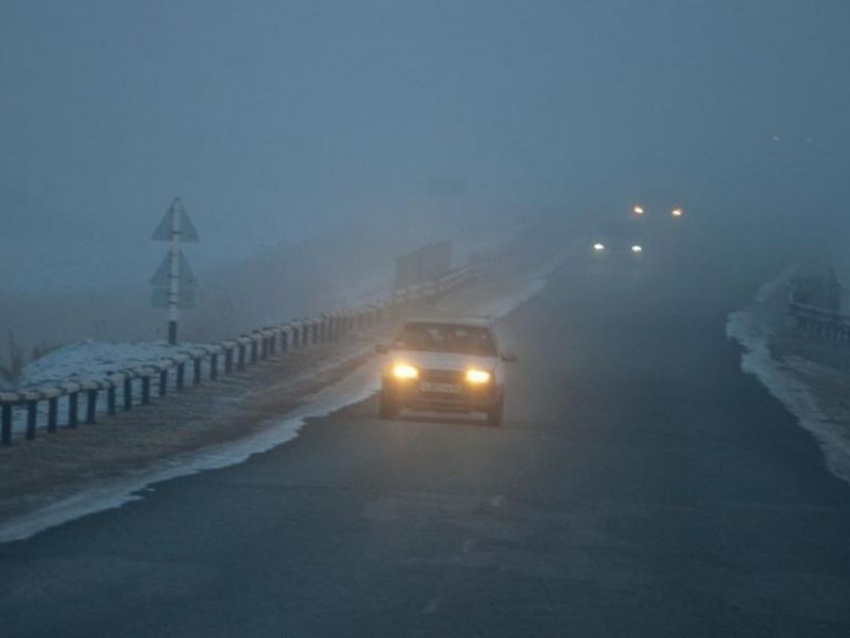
(598,247)
(677,212)
(478,377)
(637,249)
(405,371)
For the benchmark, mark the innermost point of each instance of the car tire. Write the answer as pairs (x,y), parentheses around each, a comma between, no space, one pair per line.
(388,409)
(494,415)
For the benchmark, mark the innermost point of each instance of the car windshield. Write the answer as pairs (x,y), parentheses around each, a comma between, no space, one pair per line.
(441,337)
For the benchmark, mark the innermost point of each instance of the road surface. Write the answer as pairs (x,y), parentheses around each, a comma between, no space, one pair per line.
(640,486)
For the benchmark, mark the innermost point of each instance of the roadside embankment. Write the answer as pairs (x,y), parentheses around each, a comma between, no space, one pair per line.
(811,377)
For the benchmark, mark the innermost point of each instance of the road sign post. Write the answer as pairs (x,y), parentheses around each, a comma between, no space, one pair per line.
(173,281)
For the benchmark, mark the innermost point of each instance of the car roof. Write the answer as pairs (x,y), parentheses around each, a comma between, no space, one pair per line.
(471,322)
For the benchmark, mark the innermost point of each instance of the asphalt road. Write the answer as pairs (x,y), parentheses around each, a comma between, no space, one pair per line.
(640,486)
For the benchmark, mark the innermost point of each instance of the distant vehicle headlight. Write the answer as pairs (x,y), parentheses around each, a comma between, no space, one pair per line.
(637,249)
(598,247)
(478,377)
(637,210)
(405,371)
(677,212)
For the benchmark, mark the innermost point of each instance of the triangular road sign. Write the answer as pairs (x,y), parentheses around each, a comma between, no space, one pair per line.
(162,276)
(186,228)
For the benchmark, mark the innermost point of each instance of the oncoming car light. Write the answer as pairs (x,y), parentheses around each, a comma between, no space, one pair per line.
(637,210)
(677,212)
(405,371)
(598,247)
(637,249)
(478,377)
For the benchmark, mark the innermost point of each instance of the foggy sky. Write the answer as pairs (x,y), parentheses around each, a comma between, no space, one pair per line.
(273,119)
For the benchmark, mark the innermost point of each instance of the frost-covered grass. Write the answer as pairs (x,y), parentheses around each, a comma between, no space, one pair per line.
(94,361)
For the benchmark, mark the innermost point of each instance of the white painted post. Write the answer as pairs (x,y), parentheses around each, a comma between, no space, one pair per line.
(174,280)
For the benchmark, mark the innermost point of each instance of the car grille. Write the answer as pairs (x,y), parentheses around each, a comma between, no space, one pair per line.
(441,376)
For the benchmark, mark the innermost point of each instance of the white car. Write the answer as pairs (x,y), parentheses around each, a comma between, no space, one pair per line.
(437,365)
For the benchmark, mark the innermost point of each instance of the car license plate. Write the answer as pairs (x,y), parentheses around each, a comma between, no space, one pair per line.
(442,388)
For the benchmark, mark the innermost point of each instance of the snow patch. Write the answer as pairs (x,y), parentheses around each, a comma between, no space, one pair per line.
(95,361)
(751,332)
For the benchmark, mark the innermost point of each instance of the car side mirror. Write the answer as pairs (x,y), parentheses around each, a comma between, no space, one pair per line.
(382,348)
(508,357)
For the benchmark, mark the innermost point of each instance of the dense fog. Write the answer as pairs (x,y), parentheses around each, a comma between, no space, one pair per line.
(358,130)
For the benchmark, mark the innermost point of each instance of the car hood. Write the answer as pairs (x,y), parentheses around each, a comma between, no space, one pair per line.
(444,360)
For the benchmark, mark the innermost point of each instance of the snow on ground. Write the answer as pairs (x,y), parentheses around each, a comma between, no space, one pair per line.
(811,392)
(94,361)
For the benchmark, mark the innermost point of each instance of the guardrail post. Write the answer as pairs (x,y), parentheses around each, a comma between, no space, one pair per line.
(73,405)
(32,416)
(91,406)
(52,413)
(146,389)
(111,398)
(196,371)
(181,375)
(214,367)
(128,393)
(6,426)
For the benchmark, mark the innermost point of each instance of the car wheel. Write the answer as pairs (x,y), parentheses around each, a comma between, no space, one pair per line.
(494,415)
(388,408)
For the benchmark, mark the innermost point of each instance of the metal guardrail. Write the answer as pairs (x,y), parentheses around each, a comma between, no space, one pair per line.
(820,322)
(139,386)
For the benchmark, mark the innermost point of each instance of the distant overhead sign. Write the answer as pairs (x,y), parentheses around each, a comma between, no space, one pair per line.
(185,298)
(186,278)
(183,228)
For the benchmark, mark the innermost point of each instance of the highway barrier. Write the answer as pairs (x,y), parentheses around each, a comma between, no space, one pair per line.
(83,401)
(819,323)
